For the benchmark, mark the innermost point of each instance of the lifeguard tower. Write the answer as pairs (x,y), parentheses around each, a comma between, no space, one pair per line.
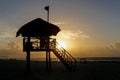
(36,37)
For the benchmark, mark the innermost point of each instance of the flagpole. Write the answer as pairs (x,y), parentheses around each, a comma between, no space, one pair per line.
(48,59)
(47,9)
(48,15)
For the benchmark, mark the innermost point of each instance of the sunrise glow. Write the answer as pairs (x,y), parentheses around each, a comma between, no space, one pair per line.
(61,44)
(88,28)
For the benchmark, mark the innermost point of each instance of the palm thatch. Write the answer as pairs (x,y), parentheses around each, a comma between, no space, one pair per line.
(38,28)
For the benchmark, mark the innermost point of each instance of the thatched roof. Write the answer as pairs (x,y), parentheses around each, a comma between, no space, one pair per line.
(38,28)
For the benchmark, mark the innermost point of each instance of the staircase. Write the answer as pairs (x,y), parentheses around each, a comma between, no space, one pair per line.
(68,60)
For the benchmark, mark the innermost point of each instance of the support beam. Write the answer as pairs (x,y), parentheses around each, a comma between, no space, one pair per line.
(28,45)
(28,61)
(48,61)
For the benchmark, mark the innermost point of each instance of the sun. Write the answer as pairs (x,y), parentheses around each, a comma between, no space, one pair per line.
(61,44)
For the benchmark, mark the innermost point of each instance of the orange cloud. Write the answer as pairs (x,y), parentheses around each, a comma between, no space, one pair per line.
(73,34)
(105,51)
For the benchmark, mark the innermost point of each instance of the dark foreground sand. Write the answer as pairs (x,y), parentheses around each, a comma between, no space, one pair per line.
(15,70)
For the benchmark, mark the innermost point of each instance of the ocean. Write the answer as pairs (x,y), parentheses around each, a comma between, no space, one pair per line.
(89,59)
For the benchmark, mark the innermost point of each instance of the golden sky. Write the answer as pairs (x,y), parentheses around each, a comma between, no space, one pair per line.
(89,28)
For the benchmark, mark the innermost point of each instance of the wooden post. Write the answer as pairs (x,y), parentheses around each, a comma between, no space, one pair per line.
(28,55)
(28,61)
(48,59)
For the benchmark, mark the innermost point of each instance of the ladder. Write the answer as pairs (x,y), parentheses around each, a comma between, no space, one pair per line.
(68,60)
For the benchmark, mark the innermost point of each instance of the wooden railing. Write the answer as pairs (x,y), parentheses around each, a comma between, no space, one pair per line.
(63,55)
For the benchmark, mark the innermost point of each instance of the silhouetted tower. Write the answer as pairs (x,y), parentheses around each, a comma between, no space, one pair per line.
(36,37)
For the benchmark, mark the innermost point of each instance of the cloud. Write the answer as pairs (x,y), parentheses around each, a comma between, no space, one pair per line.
(111,50)
(7,30)
(11,53)
(59,23)
(14,45)
(7,33)
(69,34)
(4,35)
(11,50)
(115,45)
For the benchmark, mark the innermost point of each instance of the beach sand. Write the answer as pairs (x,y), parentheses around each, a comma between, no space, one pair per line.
(15,70)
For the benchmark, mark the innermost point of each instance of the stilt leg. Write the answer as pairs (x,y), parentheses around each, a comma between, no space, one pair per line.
(28,61)
(48,61)
(28,46)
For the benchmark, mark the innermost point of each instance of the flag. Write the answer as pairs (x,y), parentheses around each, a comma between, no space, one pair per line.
(47,8)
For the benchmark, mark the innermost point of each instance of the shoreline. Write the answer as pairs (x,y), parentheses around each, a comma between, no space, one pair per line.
(85,59)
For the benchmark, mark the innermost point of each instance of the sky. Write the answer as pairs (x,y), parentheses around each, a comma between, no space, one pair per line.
(89,28)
